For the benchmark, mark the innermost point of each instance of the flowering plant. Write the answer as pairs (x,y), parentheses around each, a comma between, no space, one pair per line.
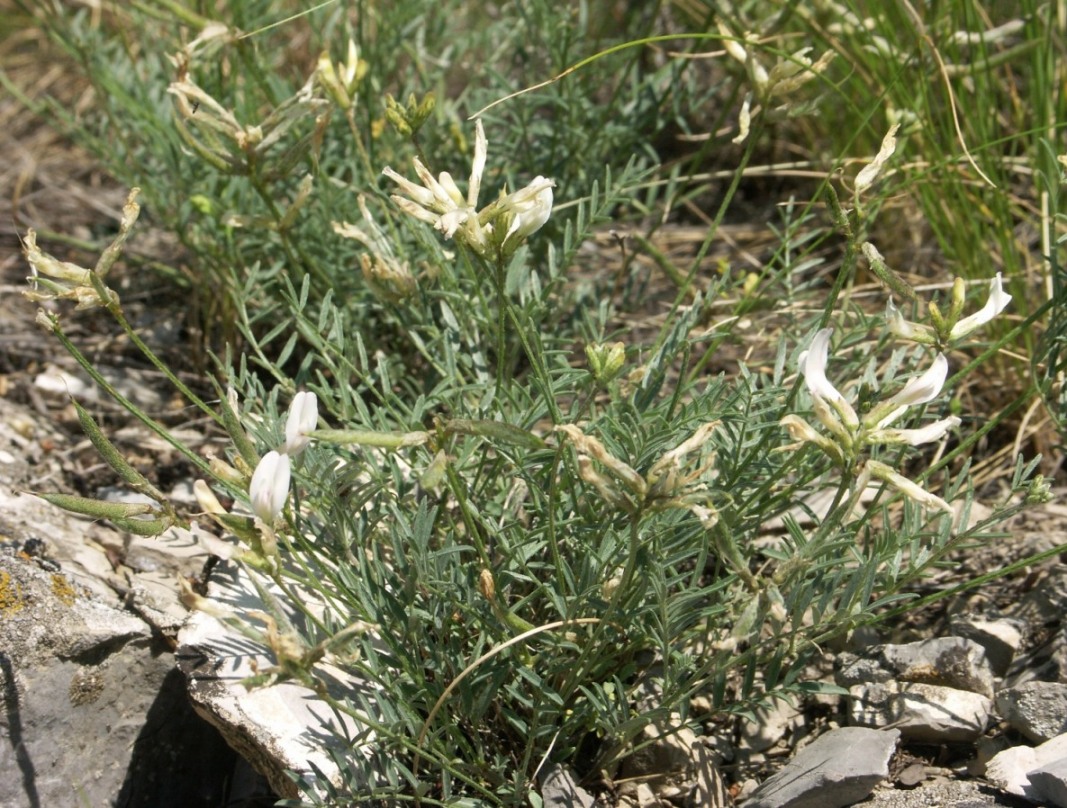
(544,569)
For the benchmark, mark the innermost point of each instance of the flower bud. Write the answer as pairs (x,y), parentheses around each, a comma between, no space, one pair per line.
(206,498)
(605,361)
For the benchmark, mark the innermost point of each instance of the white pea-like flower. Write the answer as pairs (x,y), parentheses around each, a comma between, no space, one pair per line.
(945,332)
(813,367)
(438,200)
(303,418)
(919,390)
(269,489)
(529,207)
(996,303)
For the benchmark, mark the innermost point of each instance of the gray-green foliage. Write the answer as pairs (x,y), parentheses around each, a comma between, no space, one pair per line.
(497,491)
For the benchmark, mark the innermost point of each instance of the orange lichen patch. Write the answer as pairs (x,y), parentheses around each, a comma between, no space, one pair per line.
(63,590)
(11,600)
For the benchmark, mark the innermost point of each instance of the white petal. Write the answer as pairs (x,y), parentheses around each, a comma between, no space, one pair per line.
(896,322)
(442,201)
(870,173)
(422,196)
(269,488)
(916,437)
(450,222)
(416,210)
(303,418)
(997,302)
(813,366)
(450,187)
(481,147)
(922,389)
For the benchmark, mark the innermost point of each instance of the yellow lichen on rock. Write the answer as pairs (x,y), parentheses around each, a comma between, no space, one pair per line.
(11,600)
(63,589)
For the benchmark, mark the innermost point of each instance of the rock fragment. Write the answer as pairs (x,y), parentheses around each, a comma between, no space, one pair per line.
(953,662)
(560,790)
(840,768)
(1001,638)
(669,753)
(1036,709)
(1049,783)
(1008,770)
(922,712)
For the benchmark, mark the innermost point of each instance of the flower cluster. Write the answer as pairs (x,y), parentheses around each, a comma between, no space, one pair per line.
(949,327)
(341,82)
(387,276)
(269,489)
(52,279)
(664,486)
(775,90)
(495,231)
(852,435)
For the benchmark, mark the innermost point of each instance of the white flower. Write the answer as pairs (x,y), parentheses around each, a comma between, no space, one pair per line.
(839,417)
(909,488)
(949,332)
(915,437)
(438,201)
(813,367)
(269,488)
(530,208)
(997,302)
(302,419)
(905,329)
(870,172)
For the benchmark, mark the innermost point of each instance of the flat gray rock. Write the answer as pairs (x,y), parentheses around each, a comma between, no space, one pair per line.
(841,768)
(279,728)
(1050,782)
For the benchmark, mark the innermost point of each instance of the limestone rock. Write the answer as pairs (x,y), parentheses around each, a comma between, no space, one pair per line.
(278,728)
(710,790)
(773,722)
(1037,709)
(1001,639)
(1049,782)
(1008,770)
(922,712)
(559,790)
(840,768)
(953,662)
(93,714)
(669,753)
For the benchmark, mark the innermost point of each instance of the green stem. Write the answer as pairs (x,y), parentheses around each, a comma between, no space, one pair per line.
(502,304)
(727,548)
(115,310)
(296,256)
(130,407)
